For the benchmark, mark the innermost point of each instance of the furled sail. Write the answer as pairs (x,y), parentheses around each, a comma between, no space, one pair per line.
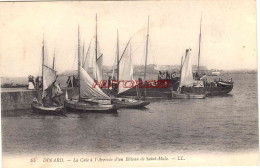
(86,87)
(56,90)
(186,71)
(125,70)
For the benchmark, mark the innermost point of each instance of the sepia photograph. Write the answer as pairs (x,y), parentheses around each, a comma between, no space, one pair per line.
(129,83)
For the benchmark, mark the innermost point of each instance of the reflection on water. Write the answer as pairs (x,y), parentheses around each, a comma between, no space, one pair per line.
(228,123)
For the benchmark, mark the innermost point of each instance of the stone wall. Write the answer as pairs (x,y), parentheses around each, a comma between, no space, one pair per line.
(17,100)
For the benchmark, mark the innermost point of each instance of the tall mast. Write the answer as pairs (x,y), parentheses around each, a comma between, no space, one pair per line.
(79,60)
(96,45)
(42,60)
(146,54)
(199,45)
(117,54)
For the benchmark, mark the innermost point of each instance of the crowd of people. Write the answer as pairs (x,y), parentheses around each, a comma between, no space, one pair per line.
(166,75)
(34,83)
(72,81)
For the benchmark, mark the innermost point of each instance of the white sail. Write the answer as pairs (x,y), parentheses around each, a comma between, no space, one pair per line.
(98,69)
(86,87)
(186,71)
(86,58)
(125,69)
(49,77)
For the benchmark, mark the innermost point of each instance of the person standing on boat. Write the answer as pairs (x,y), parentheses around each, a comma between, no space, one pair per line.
(52,95)
(33,81)
(114,84)
(167,75)
(160,75)
(74,81)
(56,93)
(109,82)
(40,82)
(37,82)
(69,83)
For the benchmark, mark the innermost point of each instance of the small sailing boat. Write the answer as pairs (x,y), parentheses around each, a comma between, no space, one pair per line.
(150,93)
(48,104)
(188,87)
(91,99)
(125,72)
(219,87)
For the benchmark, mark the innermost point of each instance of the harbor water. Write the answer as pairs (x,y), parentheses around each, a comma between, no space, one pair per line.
(215,124)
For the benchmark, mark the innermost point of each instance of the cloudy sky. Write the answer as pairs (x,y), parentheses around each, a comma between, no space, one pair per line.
(228,32)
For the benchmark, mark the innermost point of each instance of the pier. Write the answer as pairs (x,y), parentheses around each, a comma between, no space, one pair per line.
(21,98)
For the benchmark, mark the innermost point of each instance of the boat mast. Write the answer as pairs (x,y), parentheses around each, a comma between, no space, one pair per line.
(42,61)
(96,48)
(181,66)
(117,54)
(146,54)
(79,61)
(199,45)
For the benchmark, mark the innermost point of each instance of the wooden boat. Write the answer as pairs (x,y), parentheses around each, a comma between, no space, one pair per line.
(219,88)
(40,109)
(188,87)
(89,106)
(122,102)
(90,99)
(49,92)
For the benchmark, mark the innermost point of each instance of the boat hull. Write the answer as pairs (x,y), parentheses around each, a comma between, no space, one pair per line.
(163,92)
(219,88)
(40,109)
(129,103)
(176,95)
(88,107)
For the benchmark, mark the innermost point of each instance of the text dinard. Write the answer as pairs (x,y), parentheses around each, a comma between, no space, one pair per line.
(100,159)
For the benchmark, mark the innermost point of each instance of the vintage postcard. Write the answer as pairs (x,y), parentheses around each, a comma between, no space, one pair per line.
(129,83)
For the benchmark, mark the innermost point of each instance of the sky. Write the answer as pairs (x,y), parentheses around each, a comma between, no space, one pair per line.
(228,32)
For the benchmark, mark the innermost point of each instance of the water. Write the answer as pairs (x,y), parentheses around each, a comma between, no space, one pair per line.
(225,124)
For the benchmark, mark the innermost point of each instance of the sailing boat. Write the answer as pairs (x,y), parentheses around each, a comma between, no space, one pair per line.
(188,87)
(50,91)
(91,99)
(125,72)
(150,93)
(219,87)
